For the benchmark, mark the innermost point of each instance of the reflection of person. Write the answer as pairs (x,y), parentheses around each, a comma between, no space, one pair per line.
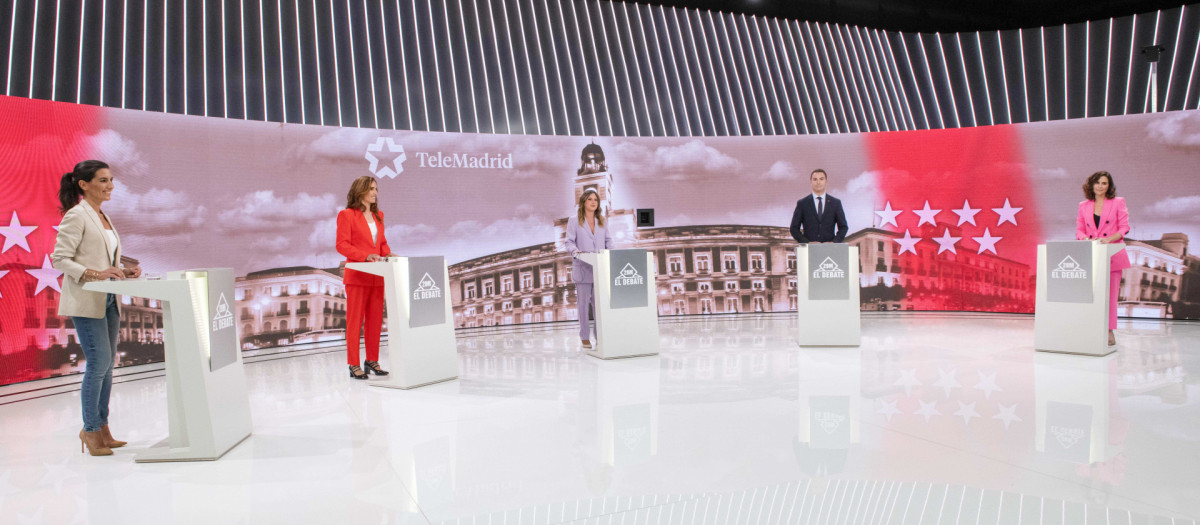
(817,214)
(86,249)
(1104,217)
(586,233)
(360,238)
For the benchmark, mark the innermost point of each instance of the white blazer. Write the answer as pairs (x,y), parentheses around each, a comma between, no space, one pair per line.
(82,245)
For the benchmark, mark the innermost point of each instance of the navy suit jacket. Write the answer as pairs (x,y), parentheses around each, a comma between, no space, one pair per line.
(806,227)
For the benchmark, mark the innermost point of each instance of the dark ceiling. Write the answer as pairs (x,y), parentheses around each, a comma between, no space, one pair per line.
(931,16)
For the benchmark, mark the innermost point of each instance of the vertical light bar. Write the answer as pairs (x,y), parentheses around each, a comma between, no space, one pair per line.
(242,47)
(1066,92)
(224,77)
(741,90)
(204,52)
(587,11)
(1174,57)
(775,52)
(470,73)
(1146,104)
(571,68)
(753,97)
(104,49)
(916,84)
(986,90)
(487,85)
(832,56)
(513,57)
(79,54)
(558,70)
(371,64)
(783,45)
(33,50)
(54,58)
(337,81)
(146,52)
(437,68)
(700,72)
(608,51)
(587,81)
(541,59)
(862,97)
(1045,77)
(674,66)
(1192,72)
(962,61)
(262,42)
(1024,83)
(801,50)
(879,64)
(843,125)
(1087,65)
(929,71)
(766,64)
(1004,77)
(282,76)
(649,62)
(1107,65)
(317,55)
(687,65)
(416,29)
(847,110)
(637,65)
(449,51)
(1128,72)
(299,61)
(882,102)
(11,33)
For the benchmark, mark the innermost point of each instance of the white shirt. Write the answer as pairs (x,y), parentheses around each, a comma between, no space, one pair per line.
(819,204)
(373,227)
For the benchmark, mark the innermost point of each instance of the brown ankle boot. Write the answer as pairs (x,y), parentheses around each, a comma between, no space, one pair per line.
(94,443)
(109,441)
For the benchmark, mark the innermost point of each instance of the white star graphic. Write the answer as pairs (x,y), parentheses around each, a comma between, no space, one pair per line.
(987,383)
(946,242)
(1007,213)
(928,410)
(907,243)
(947,380)
(908,379)
(888,409)
(1006,414)
(927,215)
(15,234)
(966,213)
(47,276)
(56,474)
(888,215)
(967,412)
(2,274)
(987,242)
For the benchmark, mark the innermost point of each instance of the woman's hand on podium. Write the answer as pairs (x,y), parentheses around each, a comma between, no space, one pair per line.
(373,258)
(132,273)
(110,273)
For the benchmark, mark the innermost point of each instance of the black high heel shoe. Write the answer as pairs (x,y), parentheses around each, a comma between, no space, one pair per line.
(357,372)
(373,366)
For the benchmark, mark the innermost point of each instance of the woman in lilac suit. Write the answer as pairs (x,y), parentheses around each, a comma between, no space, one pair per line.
(1104,218)
(586,233)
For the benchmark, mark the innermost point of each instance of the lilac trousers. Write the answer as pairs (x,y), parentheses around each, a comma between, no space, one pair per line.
(585,301)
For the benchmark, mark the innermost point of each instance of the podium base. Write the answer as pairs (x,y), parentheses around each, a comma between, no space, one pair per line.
(1110,352)
(829,345)
(597,355)
(397,386)
(162,452)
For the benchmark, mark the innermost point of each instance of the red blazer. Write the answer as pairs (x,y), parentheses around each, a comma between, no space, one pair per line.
(1114,218)
(354,242)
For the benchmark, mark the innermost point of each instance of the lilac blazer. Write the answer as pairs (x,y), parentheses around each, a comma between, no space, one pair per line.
(581,239)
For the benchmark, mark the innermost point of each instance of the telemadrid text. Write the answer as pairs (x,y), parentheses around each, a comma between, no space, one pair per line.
(463,160)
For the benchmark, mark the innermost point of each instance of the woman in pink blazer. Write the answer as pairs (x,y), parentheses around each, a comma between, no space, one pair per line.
(1103,217)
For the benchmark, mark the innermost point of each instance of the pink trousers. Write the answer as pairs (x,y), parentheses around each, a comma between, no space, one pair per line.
(1113,287)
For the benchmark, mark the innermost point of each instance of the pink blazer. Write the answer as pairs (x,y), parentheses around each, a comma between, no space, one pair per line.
(1114,218)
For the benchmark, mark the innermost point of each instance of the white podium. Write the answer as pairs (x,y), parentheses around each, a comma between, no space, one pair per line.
(828,322)
(1074,327)
(417,356)
(621,331)
(208,411)
(1074,400)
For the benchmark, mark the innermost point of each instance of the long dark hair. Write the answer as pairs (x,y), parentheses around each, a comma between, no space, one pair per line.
(69,191)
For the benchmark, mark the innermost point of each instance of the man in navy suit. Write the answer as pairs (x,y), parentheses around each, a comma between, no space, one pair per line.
(817,214)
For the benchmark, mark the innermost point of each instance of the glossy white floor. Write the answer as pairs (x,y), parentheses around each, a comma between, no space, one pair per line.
(935,419)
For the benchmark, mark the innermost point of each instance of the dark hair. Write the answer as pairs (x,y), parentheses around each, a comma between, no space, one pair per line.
(358,189)
(69,191)
(1091,194)
(814,172)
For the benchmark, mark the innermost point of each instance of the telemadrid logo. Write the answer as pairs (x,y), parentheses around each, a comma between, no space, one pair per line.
(628,277)
(1068,269)
(434,160)
(829,270)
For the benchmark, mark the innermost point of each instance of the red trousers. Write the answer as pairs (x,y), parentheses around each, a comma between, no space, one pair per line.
(363,303)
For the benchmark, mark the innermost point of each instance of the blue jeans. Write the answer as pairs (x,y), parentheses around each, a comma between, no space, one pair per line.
(98,337)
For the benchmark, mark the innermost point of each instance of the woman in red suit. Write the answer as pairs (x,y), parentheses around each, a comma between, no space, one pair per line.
(360,238)
(1104,218)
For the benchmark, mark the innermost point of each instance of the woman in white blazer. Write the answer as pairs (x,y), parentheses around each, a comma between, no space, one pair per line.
(89,249)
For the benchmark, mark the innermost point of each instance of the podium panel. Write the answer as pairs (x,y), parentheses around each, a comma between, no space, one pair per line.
(827,293)
(208,408)
(625,326)
(1071,310)
(421,346)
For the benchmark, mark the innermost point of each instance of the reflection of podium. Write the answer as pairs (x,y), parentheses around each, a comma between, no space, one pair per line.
(1071,311)
(827,293)
(420,347)
(830,390)
(1073,398)
(208,410)
(626,310)
(626,403)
